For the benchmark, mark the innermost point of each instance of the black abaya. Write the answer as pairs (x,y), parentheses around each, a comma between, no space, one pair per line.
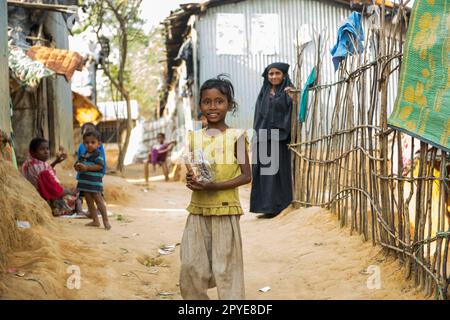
(272,193)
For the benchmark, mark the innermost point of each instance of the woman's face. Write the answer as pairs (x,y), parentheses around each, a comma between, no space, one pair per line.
(275,77)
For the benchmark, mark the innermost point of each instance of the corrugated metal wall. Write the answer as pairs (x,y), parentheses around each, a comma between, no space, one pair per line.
(62,93)
(5,115)
(245,70)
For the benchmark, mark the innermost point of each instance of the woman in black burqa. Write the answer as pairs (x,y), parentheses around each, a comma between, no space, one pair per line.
(272,189)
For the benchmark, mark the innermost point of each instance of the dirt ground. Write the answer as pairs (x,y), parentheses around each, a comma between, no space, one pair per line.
(301,255)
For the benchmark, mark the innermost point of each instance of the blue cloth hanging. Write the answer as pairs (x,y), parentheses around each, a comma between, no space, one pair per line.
(304,98)
(351,28)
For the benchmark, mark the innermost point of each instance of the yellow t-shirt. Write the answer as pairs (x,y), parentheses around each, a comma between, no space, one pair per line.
(219,151)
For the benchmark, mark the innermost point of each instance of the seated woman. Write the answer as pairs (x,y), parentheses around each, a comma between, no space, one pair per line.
(42,176)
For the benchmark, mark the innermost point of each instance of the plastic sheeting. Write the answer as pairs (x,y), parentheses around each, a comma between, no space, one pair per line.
(63,62)
(27,72)
(22,21)
(422,108)
(84,110)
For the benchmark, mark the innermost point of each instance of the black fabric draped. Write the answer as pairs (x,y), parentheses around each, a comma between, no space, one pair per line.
(274,113)
(272,193)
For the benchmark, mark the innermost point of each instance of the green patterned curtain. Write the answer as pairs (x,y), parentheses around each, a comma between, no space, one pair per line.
(422,108)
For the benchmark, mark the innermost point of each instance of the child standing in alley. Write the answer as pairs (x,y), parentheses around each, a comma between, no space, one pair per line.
(88,126)
(211,247)
(90,168)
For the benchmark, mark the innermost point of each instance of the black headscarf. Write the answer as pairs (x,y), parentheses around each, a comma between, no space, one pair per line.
(274,113)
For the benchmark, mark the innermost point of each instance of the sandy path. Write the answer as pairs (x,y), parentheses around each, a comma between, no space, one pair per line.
(303,255)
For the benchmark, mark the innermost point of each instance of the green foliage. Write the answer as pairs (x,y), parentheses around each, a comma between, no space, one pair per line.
(143,71)
(146,68)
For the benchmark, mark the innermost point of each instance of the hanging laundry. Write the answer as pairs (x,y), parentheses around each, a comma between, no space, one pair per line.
(63,62)
(27,72)
(304,97)
(350,33)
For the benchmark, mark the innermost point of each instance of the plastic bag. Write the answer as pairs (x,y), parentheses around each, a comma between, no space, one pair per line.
(197,164)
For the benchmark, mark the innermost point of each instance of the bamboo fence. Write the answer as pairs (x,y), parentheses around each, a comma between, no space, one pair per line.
(347,159)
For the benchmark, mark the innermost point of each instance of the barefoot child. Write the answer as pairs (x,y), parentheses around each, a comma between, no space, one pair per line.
(211,247)
(159,154)
(90,168)
(88,126)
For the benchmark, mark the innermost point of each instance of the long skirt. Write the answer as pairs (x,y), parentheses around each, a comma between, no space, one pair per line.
(272,182)
(211,256)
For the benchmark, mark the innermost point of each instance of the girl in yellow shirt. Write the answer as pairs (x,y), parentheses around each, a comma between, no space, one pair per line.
(211,248)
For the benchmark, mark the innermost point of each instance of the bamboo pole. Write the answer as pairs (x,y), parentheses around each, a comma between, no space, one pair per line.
(445,195)
(400,193)
(346,164)
(428,217)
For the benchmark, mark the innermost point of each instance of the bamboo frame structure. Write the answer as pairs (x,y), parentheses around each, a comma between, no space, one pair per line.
(347,159)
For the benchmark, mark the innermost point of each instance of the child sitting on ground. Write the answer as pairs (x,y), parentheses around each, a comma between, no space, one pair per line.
(43,177)
(159,154)
(90,168)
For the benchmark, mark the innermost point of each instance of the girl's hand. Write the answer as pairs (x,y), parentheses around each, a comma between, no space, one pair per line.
(196,185)
(190,181)
(189,176)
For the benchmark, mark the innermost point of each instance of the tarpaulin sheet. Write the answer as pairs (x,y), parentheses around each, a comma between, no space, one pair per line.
(422,108)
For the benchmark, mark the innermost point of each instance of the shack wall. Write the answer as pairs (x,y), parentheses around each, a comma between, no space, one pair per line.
(5,116)
(322,17)
(60,93)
